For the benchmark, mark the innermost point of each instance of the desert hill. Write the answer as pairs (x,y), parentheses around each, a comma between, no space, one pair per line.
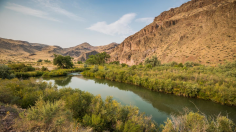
(15,50)
(202,31)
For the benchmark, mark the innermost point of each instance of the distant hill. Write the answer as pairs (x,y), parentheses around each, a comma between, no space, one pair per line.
(202,31)
(15,50)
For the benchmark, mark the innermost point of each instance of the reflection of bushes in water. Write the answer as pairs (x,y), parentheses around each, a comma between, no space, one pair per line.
(56,105)
(63,81)
(209,83)
(164,102)
(60,81)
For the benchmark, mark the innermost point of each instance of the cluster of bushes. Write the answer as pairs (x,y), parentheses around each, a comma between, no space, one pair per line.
(5,72)
(52,109)
(198,122)
(62,72)
(21,67)
(211,83)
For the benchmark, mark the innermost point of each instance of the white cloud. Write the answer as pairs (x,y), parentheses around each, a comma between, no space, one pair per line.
(120,27)
(29,11)
(54,6)
(146,20)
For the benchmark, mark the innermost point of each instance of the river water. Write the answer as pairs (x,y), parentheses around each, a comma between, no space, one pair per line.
(158,105)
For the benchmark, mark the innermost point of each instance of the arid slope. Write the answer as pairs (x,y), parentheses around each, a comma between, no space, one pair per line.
(202,31)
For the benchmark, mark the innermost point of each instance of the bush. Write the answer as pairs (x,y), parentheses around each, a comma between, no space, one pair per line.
(115,62)
(21,67)
(45,116)
(79,62)
(40,60)
(124,65)
(44,69)
(198,122)
(85,65)
(5,71)
(95,69)
(47,61)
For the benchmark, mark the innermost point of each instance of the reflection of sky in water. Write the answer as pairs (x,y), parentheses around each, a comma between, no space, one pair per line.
(122,96)
(159,105)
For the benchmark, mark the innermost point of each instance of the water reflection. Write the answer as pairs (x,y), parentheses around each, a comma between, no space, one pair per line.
(159,105)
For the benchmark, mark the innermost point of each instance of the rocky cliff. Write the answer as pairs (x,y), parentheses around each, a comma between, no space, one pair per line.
(202,31)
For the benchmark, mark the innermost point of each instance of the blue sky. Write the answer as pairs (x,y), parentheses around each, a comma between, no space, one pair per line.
(67,23)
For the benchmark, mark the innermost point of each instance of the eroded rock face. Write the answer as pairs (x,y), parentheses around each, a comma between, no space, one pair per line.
(202,31)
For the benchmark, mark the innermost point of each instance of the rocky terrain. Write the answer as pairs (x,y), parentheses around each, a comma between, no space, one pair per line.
(202,31)
(15,50)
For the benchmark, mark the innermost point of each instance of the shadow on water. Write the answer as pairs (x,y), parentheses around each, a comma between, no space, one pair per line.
(164,104)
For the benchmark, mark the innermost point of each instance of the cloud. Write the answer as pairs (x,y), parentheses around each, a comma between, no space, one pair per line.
(120,27)
(146,20)
(29,11)
(54,6)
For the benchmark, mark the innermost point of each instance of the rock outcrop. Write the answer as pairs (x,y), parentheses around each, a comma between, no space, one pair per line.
(202,31)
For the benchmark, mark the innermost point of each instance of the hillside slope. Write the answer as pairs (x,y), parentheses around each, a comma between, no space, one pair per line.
(202,31)
(15,50)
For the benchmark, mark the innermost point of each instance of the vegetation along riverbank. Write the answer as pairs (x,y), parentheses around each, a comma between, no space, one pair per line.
(189,80)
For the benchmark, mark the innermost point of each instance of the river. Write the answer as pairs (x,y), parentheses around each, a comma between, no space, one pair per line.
(158,105)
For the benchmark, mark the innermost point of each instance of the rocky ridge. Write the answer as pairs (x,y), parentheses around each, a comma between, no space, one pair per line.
(202,31)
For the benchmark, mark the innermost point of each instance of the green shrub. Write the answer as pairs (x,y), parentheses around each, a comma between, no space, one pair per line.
(45,116)
(198,122)
(124,65)
(5,71)
(21,67)
(40,60)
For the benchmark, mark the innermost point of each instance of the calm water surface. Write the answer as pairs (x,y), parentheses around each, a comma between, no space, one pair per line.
(158,105)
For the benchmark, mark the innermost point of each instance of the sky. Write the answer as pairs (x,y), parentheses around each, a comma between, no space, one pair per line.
(68,23)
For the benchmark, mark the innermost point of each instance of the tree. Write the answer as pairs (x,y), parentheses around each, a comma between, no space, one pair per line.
(153,61)
(63,61)
(4,71)
(79,62)
(39,60)
(99,58)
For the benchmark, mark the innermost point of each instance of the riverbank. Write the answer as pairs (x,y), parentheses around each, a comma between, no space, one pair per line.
(217,84)
(79,108)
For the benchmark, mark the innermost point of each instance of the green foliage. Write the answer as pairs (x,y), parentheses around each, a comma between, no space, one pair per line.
(47,116)
(95,69)
(50,109)
(196,122)
(21,67)
(44,69)
(4,71)
(124,65)
(98,59)
(40,60)
(133,67)
(210,83)
(28,74)
(79,62)
(115,62)
(153,61)
(47,61)
(85,65)
(62,72)
(63,61)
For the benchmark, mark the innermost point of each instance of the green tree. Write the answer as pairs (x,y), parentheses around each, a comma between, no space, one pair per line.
(4,71)
(153,61)
(99,58)
(63,61)
(79,62)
